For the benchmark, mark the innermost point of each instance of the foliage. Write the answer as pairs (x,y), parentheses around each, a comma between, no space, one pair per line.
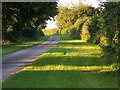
(109,25)
(64,17)
(69,19)
(104,29)
(93,29)
(23,19)
(100,25)
(84,31)
(75,30)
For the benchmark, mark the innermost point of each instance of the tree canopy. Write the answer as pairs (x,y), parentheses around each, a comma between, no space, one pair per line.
(23,19)
(71,20)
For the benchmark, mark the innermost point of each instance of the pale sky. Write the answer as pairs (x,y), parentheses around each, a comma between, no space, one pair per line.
(94,3)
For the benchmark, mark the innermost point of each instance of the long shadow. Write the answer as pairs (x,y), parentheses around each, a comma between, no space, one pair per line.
(65,56)
(62,50)
(70,61)
(61,79)
(77,43)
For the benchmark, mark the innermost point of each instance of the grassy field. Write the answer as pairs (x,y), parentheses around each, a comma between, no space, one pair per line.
(15,47)
(71,64)
(50,31)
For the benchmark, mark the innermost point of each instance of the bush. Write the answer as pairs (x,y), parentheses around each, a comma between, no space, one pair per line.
(109,22)
(32,33)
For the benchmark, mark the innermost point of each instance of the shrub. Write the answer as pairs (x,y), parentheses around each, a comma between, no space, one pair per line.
(32,33)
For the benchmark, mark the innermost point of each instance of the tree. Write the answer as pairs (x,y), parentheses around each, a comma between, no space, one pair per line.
(109,22)
(94,29)
(22,18)
(68,17)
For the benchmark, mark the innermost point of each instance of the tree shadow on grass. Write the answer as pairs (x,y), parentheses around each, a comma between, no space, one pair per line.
(77,43)
(61,79)
(62,58)
(73,60)
(61,50)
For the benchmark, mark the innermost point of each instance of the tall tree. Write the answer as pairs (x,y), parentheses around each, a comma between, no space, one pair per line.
(68,16)
(107,25)
(22,18)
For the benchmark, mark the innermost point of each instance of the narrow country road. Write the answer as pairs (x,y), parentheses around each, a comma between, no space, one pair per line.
(13,62)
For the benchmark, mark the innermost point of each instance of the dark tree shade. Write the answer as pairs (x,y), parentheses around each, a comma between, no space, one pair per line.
(19,18)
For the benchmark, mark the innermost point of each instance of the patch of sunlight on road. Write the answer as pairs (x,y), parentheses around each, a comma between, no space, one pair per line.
(79,68)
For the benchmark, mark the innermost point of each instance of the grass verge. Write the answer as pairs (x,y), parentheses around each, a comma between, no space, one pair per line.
(15,47)
(71,64)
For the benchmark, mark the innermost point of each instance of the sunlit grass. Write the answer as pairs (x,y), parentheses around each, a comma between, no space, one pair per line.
(49,31)
(70,64)
(79,68)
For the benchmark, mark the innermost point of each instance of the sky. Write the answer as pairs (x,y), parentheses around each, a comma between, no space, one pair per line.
(94,3)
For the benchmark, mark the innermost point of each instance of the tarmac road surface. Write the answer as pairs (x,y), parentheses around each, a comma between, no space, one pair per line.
(13,62)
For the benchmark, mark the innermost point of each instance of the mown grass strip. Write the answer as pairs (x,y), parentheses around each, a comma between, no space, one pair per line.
(71,64)
(79,68)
